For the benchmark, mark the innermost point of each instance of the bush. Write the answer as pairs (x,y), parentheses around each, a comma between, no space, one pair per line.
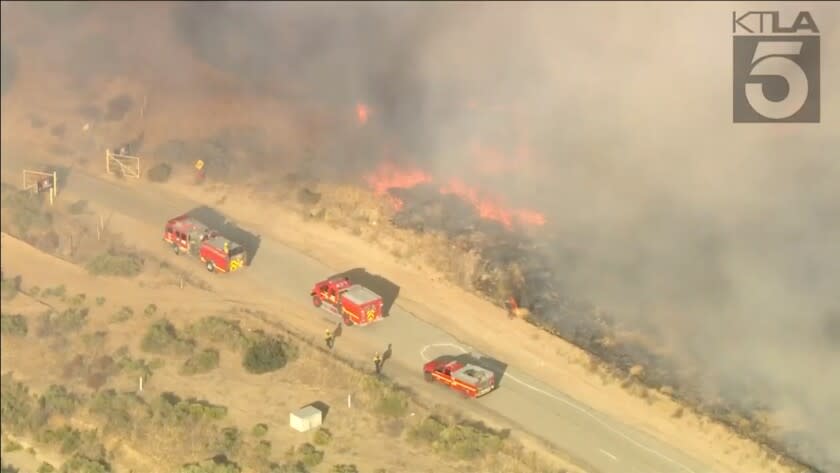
(216,465)
(259,430)
(460,441)
(322,437)
(389,400)
(162,338)
(100,301)
(14,325)
(70,320)
(229,441)
(9,287)
(150,310)
(12,446)
(16,404)
(202,362)
(46,468)
(159,172)
(219,330)
(123,314)
(293,467)
(344,468)
(82,464)
(58,400)
(120,411)
(265,356)
(27,211)
(309,455)
(114,264)
(78,299)
(59,291)
(174,411)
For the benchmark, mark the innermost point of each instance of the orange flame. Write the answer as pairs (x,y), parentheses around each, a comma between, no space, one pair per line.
(362,113)
(489,208)
(389,176)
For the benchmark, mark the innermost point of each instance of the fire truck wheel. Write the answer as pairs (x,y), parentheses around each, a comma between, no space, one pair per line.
(210,267)
(428,377)
(316,301)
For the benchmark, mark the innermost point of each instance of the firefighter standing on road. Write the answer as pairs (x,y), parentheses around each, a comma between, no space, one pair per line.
(329,339)
(377,363)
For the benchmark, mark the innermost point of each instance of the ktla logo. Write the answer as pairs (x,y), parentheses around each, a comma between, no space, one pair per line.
(776,69)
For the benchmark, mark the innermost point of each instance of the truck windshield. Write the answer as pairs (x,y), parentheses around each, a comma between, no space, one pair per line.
(236,251)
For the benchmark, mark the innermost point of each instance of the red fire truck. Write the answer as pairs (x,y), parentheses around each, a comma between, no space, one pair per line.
(354,303)
(468,379)
(187,235)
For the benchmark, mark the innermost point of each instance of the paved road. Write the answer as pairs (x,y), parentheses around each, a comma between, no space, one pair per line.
(596,442)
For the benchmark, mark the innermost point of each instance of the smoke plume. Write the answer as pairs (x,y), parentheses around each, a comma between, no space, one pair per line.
(720,241)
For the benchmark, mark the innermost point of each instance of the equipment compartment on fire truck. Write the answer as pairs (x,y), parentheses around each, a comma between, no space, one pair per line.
(469,379)
(188,235)
(354,303)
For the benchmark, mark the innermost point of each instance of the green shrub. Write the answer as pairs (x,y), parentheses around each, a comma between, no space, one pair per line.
(78,299)
(150,310)
(309,455)
(111,263)
(344,468)
(202,362)
(162,338)
(389,401)
(46,468)
(82,464)
(70,320)
(120,411)
(229,441)
(159,172)
(293,467)
(9,287)
(34,291)
(460,441)
(27,211)
(174,411)
(16,404)
(12,446)
(100,301)
(14,325)
(70,440)
(322,437)
(59,291)
(219,330)
(123,314)
(58,400)
(216,465)
(259,430)
(265,356)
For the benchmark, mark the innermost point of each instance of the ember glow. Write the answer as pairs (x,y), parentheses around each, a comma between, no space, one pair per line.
(389,176)
(362,113)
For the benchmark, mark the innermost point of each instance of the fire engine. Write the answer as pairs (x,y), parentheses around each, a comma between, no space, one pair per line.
(187,235)
(470,380)
(354,303)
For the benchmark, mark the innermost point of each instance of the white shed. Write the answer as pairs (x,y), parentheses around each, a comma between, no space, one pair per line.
(306,419)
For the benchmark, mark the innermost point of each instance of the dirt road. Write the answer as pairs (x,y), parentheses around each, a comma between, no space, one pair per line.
(593,440)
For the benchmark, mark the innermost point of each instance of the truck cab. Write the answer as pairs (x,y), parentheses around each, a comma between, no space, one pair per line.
(469,379)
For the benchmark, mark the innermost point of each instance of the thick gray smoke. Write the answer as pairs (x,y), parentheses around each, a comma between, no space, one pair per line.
(722,241)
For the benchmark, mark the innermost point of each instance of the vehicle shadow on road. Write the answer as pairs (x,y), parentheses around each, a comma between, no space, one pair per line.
(493,365)
(376,283)
(217,221)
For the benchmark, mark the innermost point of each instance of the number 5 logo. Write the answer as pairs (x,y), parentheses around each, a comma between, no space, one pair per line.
(770,59)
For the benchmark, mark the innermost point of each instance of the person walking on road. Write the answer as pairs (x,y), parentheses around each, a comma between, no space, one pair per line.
(329,339)
(377,363)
